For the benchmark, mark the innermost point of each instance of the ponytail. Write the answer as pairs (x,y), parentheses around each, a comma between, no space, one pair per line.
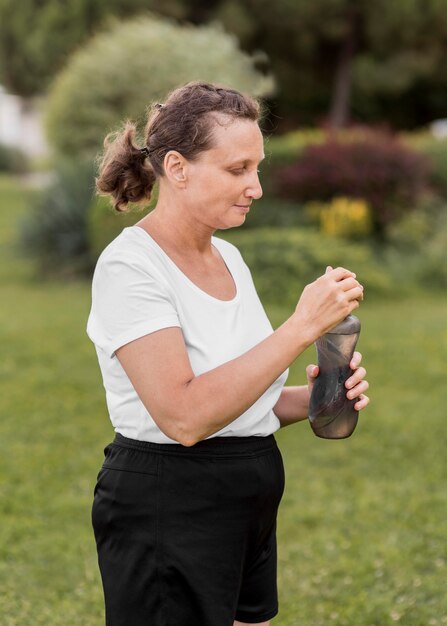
(125,172)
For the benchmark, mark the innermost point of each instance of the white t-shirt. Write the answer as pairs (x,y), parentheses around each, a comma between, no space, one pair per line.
(137,289)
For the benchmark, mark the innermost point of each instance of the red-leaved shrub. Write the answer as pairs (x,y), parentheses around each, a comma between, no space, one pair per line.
(387,175)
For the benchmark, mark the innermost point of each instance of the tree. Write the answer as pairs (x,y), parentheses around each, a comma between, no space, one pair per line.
(38,36)
(334,60)
(121,71)
(332,57)
(322,53)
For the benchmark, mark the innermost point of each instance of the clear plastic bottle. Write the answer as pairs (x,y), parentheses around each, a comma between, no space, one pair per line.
(331,414)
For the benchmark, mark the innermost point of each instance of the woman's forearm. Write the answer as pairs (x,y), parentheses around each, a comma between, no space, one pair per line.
(293,405)
(245,379)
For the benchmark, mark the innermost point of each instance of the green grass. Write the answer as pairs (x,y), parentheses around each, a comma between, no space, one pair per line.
(362,529)
(362,526)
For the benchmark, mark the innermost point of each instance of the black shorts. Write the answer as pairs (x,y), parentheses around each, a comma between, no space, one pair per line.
(186,536)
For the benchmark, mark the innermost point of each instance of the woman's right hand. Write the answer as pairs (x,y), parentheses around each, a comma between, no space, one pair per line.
(327,301)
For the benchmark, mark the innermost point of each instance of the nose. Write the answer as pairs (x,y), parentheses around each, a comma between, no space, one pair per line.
(254,191)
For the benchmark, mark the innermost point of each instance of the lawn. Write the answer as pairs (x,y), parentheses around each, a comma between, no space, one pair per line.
(362,527)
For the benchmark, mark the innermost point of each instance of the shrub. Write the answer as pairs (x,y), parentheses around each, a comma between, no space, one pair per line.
(55,230)
(277,212)
(104,223)
(387,175)
(284,261)
(432,271)
(412,231)
(417,247)
(284,149)
(436,151)
(343,217)
(13,160)
(139,61)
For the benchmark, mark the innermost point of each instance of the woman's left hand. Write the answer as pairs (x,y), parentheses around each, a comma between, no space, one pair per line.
(355,385)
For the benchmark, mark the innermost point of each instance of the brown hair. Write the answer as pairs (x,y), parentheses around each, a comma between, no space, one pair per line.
(127,172)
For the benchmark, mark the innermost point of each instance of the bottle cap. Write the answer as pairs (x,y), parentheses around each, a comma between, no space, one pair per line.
(349,326)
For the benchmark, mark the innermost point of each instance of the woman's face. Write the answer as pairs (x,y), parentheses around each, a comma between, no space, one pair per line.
(223,181)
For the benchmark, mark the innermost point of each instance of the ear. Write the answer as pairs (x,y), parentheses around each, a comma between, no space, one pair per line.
(175,166)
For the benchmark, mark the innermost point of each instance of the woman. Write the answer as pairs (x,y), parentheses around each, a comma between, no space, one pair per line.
(185,505)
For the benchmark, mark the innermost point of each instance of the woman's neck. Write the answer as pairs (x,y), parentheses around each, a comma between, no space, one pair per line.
(172,227)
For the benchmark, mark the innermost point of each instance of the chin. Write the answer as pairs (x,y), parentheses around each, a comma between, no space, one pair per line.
(234,224)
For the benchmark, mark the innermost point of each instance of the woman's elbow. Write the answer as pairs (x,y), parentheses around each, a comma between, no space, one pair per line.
(183,417)
(186,437)
(179,429)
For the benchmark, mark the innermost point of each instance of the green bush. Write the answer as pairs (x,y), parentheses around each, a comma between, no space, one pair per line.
(104,223)
(287,148)
(432,271)
(412,231)
(417,247)
(55,231)
(283,261)
(13,160)
(120,72)
(284,149)
(436,151)
(276,212)
(388,175)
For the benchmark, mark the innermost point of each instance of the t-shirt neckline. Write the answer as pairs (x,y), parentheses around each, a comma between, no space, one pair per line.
(184,276)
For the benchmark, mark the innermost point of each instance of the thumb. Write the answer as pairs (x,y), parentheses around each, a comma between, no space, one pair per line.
(329,269)
(312,372)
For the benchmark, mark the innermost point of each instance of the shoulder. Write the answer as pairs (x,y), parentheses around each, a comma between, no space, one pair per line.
(126,242)
(130,266)
(128,252)
(128,272)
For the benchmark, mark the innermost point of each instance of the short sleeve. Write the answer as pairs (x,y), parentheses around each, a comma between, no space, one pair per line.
(128,301)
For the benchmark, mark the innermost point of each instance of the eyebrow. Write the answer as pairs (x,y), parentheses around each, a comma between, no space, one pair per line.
(245,161)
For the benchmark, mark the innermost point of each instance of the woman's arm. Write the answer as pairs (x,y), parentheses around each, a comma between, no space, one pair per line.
(188,408)
(293,405)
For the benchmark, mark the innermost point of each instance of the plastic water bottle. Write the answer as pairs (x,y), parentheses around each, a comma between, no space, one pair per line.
(331,413)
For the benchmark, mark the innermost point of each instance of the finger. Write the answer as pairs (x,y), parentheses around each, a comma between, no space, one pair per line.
(340,273)
(312,372)
(356,360)
(329,269)
(358,375)
(349,283)
(355,294)
(363,401)
(358,390)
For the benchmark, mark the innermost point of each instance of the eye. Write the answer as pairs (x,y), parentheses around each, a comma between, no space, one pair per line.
(242,170)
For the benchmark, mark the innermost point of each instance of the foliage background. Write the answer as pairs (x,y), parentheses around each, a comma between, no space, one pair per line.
(335,60)
(119,73)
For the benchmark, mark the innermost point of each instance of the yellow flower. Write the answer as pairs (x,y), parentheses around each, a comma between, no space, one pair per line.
(344,217)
